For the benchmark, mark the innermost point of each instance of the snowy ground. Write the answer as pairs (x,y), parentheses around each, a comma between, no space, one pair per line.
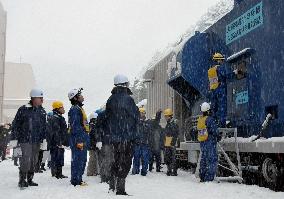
(154,185)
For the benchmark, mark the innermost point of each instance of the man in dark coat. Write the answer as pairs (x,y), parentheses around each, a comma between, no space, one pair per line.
(171,132)
(156,141)
(29,129)
(57,138)
(142,145)
(93,168)
(106,148)
(122,118)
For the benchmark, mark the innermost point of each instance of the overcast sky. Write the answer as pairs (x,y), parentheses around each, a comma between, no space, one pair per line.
(84,43)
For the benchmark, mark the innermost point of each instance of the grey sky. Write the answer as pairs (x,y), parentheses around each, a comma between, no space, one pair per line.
(84,43)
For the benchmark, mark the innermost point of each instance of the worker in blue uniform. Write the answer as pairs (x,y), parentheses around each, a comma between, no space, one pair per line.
(142,145)
(218,89)
(208,135)
(79,138)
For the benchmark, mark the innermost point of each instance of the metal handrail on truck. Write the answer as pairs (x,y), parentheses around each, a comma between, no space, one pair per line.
(235,169)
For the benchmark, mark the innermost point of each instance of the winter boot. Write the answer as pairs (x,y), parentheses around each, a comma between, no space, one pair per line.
(112,183)
(42,167)
(22,180)
(30,179)
(158,169)
(59,173)
(169,172)
(150,167)
(174,173)
(53,171)
(120,187)
(143,173)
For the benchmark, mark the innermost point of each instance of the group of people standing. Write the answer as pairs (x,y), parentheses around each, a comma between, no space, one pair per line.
(114,136)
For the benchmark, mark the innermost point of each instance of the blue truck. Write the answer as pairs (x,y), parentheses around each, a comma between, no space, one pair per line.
(251,36)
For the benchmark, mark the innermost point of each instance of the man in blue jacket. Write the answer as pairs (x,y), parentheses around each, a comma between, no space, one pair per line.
(142,145)
(122,117)
(79,138)
(208,137)
(29,129)
(57,138)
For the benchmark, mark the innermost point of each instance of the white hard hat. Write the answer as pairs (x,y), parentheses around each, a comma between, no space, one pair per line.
(93,115)
(205,106)
(74,92)
(120,79)
(36,93)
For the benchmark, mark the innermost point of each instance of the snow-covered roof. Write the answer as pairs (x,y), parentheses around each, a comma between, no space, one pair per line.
(212,16)
(240,53)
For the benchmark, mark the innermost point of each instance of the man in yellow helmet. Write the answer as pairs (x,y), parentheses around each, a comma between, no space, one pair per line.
(142,147)
(171,133)
(57,138)
(217,86)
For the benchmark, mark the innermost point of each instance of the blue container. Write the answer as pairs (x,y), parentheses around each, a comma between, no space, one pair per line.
(251,36)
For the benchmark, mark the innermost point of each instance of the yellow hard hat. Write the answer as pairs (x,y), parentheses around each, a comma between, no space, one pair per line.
(168,112)
(57,104)
(218,56)
(142,110)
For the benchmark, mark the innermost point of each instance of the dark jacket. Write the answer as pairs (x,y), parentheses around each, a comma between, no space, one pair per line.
(172,130)
(93,134)
(144,130)
(103,129)
(56,131)
(122,115)
(156,133)
(78,133)
(29,125)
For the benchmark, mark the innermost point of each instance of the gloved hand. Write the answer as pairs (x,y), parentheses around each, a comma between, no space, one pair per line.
(99,145)
(236,71)
(13,143)
(43,145)
(80,146)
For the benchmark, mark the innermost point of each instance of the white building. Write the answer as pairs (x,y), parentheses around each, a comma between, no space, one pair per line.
(19,80)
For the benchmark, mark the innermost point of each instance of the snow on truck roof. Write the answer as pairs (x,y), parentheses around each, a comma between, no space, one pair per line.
(213,14)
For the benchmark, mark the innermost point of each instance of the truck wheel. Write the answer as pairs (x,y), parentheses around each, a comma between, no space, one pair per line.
(270,172)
